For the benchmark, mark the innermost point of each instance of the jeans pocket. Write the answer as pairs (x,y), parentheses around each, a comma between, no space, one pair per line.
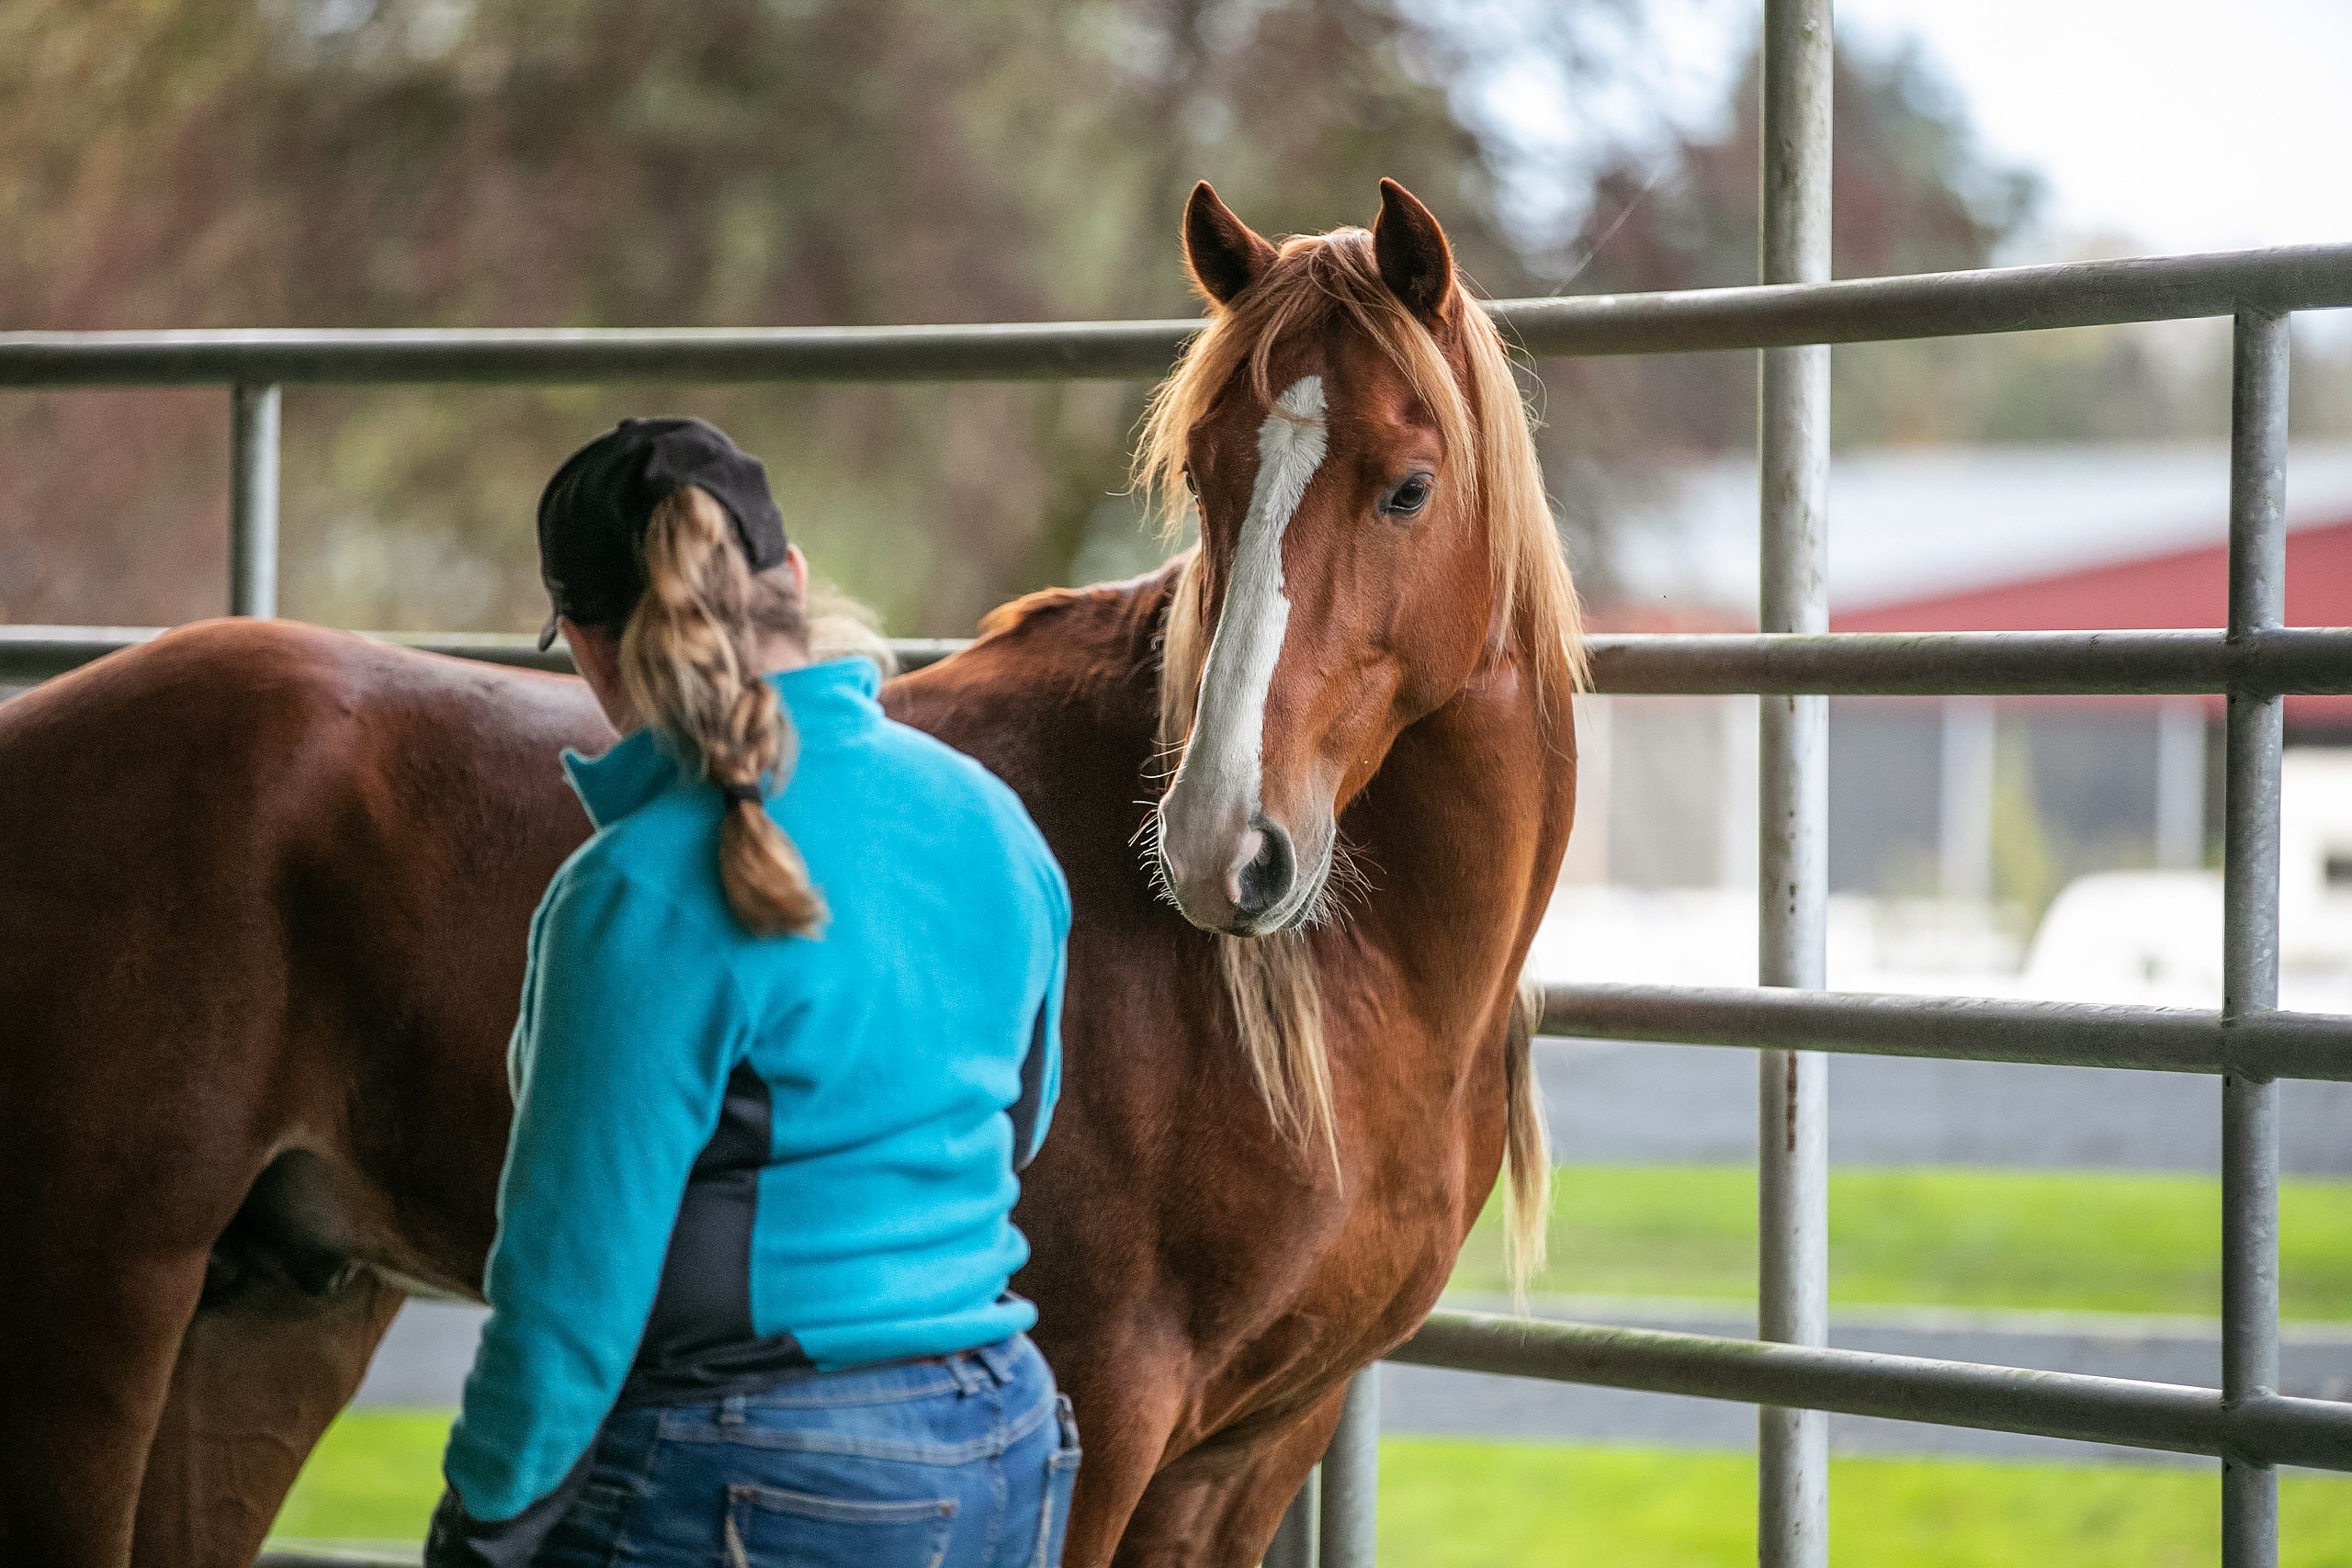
(768,1525)
(1061,1482)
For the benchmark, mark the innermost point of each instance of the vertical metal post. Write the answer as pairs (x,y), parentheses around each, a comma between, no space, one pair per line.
(1964,827)
(1352,1478)
(253,502)
(2180,783)
(1793,1146)
(1294,1545)
(2250,926)
(1736,860)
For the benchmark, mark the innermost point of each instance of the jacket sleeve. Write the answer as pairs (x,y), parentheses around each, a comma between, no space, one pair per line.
(1041,1068)
(630,1022)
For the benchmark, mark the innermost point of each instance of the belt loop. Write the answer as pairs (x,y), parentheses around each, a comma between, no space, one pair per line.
(968,1378)
(1001,1361)
(730,1410)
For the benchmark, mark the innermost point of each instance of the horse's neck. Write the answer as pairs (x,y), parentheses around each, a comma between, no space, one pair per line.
(1461,832)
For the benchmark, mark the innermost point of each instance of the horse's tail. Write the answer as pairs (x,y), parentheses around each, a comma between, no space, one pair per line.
(1527,1194)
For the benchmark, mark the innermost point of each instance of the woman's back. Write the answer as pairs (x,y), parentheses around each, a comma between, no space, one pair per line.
(874,1088)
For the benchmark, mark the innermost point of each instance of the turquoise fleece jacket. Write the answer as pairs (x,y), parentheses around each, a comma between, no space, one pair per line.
(735,1155)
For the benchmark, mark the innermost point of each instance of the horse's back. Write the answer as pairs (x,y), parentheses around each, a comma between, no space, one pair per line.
(229,736)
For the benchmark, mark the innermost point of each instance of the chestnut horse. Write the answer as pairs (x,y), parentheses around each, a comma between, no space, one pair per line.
(264,891)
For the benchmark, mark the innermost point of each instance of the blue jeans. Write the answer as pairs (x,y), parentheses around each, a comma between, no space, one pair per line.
(964,1461)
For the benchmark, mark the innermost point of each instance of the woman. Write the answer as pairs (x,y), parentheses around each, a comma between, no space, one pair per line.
(787,1032)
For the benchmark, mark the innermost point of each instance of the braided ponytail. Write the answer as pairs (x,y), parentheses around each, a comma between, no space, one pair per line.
(689,658)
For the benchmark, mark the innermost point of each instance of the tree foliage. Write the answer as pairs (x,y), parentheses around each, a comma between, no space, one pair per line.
(576,162)
(566,163)
(1912,190)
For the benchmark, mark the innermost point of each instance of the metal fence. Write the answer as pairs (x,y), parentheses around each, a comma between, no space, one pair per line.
(1793,664)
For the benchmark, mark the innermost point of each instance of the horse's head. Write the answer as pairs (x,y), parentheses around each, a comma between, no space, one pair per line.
(1371,512)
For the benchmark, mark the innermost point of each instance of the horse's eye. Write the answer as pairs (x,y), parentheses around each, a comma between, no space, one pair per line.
(1407,498)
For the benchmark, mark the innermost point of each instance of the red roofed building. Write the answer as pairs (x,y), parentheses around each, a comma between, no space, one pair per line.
(1961,796)
(2179,588)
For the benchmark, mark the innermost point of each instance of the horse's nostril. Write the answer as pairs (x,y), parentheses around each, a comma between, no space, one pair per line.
(1266,880)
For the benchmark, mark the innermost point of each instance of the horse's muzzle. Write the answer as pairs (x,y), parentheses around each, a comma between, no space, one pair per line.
(1263,882)
(1244,883)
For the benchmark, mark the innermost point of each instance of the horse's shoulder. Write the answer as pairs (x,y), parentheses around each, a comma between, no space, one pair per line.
(1104,609)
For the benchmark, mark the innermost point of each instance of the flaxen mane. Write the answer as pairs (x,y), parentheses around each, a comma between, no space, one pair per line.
(1271,979)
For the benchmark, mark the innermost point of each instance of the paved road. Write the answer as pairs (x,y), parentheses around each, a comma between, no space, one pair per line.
(2315,1362)
(424,1358)
(1611,1101)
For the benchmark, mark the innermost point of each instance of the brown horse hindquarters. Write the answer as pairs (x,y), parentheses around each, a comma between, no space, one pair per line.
(209,963)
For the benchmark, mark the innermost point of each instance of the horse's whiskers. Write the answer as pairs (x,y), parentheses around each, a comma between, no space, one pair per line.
(1147,836)
(1346,885)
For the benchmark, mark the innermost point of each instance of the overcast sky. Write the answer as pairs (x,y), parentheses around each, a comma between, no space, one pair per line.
(2186,125)
(2160,125)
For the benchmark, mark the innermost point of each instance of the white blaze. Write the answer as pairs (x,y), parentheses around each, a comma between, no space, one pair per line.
(1216,788)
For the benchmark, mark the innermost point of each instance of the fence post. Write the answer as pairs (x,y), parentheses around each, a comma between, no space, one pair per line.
(252,501)
(1969,774)
(1294,1542)
(2250,925)
(1352,1478)
(2180,783)
(1793,1146)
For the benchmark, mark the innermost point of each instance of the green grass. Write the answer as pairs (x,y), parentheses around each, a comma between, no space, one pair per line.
(1450,1504)
(374,1476)
(2074,1241)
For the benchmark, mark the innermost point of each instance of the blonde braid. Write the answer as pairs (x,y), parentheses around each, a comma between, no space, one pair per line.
(689,661)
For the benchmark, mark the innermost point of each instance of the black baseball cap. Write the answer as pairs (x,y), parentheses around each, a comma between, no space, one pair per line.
(592,513)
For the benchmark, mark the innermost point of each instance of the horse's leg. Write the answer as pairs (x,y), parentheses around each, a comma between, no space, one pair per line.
(1127,1396)
(112,1212)
(1218,1505)
(260,1375)
(86,1346)
(136,1208)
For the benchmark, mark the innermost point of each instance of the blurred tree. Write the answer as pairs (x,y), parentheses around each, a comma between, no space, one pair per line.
(572,162)
(564,163)
(1912,191)
(2321,403)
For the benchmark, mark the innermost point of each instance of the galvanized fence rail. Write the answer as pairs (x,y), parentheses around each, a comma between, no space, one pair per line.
(1792,665)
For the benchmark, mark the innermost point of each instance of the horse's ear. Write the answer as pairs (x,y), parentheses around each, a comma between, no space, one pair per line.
(1415,260)
(1224,255)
